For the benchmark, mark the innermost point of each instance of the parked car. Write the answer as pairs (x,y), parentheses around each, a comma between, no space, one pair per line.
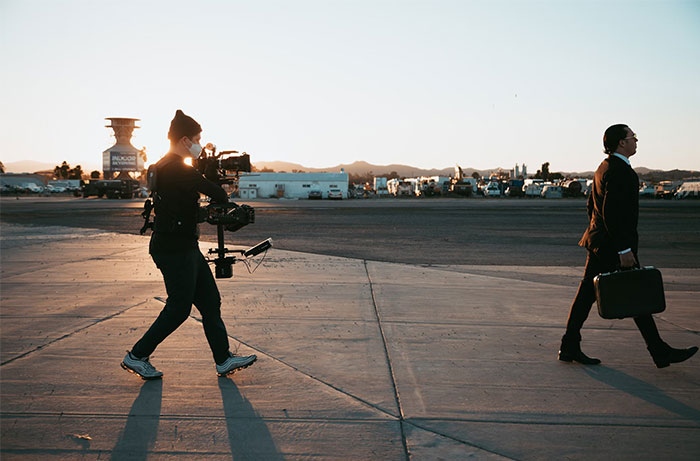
(647,192)
(141,192)
(335,194)
(315,195)
(55,189)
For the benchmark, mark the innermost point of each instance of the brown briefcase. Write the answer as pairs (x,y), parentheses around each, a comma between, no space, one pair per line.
(629,293)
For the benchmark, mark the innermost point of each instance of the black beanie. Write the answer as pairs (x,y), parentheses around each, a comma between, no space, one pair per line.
(183,125)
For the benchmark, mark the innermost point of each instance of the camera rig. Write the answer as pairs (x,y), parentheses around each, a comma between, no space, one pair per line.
(214,166)
(231,217)
(225,216)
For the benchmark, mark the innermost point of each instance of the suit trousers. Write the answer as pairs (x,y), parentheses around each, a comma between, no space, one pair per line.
(188,280)
(596,263)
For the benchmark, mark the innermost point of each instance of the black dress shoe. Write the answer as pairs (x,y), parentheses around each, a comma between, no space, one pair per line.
(577,356)
(668,355)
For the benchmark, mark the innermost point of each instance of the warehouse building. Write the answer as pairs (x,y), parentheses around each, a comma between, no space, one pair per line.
(292,185)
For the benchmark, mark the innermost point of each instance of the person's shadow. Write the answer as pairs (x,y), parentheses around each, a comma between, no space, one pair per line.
(642,390)
(141,430)
(248,434)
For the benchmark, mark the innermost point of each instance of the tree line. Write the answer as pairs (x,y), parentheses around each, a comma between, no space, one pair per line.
(64,171)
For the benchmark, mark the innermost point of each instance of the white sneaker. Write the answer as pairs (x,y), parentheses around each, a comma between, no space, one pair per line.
(234,363)
(141,367)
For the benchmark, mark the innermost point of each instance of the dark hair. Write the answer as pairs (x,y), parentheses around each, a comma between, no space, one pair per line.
(612,137)
(183,125)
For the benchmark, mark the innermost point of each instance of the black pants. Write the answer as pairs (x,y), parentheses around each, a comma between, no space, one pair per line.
(597,263)
(188,280)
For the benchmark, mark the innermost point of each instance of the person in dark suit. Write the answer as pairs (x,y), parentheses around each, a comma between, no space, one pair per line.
(612,241)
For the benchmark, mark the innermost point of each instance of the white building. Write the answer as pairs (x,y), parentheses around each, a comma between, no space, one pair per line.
(291,185)
(439,184)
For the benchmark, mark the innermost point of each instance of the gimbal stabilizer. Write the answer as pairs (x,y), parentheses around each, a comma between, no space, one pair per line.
(231,217)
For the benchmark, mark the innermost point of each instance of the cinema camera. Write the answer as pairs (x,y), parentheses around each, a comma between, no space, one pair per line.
(229,216)
(225,216)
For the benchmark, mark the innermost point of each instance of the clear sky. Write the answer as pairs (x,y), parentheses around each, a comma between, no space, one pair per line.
(427,83)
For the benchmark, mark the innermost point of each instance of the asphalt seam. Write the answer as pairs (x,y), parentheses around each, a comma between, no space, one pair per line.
(315,378)
(267,320)
(352,396)
(455,439)
(681,327)
(414,421)
(195,454)
(396,391)
(185,417)
(550,423)
(68,335)
(388,362)
(277,359)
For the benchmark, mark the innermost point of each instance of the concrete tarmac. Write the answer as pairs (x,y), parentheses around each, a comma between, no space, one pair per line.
(357,359)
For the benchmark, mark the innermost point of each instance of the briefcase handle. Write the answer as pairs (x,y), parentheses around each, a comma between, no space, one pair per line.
(635,267)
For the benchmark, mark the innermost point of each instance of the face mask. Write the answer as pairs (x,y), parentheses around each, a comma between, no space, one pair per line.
(195,150)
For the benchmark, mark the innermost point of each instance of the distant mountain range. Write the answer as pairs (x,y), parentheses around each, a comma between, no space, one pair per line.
(27,166)
(31,166)
(361,168)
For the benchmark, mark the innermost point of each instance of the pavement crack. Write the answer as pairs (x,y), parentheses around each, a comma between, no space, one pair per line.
(455,439)
(695,332)
(68,335)
(388,361)
(308,375)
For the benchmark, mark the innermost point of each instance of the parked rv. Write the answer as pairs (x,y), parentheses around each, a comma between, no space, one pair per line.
(492,190)
(572,188)
(400,188)
(689,189)
(464,186)
(665,190)
(380,187)
(551,191)
(533,189)
(515,188)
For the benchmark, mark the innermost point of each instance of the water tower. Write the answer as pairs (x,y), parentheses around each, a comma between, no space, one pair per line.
(122,158)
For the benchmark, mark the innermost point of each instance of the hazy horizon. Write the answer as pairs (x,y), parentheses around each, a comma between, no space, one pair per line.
(87,168)
(321,83)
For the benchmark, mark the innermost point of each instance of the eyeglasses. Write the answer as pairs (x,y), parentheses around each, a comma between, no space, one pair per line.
(634,136)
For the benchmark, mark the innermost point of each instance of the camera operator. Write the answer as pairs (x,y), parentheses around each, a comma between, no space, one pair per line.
(175,250)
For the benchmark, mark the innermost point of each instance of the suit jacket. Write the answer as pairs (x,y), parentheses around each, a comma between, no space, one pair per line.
(613,208)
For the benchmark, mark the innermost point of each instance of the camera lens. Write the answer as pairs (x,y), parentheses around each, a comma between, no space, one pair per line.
(237,163)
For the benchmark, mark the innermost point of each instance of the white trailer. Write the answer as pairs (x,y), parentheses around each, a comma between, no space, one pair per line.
(380,186)
(400,187)
(551,191)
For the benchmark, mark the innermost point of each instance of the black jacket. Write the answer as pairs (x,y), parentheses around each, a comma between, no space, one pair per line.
(613,208)
(176,205)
